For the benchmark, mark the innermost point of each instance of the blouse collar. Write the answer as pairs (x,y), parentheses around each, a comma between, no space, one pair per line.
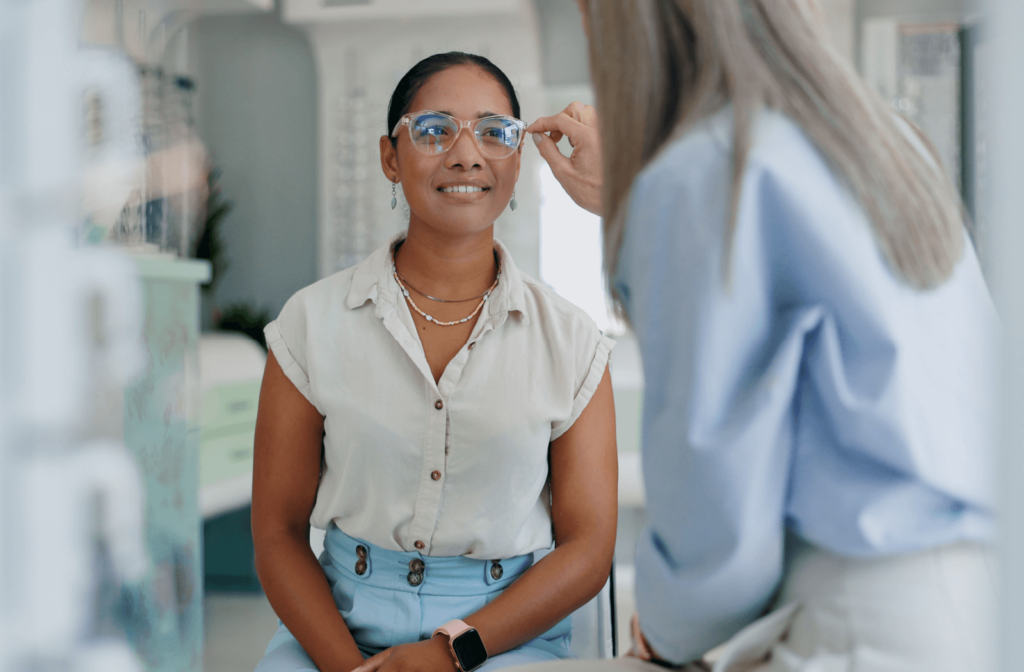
(373,281)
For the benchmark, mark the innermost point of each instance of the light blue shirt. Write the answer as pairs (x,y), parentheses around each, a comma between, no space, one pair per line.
(813,391)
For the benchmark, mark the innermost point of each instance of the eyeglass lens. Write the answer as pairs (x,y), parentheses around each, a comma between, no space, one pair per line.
(497,137)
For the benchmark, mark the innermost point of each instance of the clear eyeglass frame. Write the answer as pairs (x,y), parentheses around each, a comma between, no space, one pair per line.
(460,124)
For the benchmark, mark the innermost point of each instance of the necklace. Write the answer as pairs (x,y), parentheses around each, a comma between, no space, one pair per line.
(483,297)
(486,295)
(409,285)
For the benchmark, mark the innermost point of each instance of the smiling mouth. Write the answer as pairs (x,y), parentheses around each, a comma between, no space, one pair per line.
(462,189)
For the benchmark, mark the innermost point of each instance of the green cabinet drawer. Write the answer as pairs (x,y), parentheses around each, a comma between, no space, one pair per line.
(232,404)
(226,456)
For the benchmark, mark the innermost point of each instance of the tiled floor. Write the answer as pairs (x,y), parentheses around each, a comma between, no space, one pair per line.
(238,627)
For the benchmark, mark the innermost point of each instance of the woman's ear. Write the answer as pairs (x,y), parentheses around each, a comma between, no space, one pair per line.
(389,159)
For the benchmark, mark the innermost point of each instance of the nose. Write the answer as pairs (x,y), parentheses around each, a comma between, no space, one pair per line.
(464,153)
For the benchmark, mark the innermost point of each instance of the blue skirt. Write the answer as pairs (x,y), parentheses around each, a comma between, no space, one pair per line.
(389,598)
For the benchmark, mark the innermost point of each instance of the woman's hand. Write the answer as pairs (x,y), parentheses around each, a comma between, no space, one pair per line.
(430,655)
(581,173)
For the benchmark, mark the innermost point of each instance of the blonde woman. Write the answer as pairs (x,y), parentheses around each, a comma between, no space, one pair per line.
(817,345)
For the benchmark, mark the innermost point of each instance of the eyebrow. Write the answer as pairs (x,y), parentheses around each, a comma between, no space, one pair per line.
(480,115)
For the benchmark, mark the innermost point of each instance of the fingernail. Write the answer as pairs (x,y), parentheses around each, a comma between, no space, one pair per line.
(537,138)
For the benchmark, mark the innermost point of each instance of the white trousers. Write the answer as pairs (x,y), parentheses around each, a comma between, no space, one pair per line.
(931,611)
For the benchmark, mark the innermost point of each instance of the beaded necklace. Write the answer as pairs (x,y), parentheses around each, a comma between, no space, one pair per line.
(429,318)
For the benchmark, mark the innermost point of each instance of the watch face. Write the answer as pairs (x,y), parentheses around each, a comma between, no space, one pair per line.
(469,649)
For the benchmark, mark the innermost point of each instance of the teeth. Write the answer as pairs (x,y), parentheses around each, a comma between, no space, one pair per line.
(461,189)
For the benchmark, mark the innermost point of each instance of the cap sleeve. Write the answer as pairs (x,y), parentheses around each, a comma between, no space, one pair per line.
(286,338)
(591,360)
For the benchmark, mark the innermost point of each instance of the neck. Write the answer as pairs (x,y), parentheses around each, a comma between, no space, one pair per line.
(447,266)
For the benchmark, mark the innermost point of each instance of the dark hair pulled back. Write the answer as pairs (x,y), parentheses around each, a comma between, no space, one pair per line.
(418,75)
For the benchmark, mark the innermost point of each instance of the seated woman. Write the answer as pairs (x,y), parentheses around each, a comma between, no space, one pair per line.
(442,415)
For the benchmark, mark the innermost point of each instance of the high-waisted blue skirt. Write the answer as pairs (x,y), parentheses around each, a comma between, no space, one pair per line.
(389,598)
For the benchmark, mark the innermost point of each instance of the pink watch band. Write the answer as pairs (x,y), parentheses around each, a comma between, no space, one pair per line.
(452,628)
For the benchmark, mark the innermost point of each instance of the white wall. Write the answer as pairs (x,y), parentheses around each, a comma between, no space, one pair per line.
(256,98)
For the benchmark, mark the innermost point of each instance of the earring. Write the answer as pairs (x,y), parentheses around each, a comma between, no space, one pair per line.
(394,198)
(513,204)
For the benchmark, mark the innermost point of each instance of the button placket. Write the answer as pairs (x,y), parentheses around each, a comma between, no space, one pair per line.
(428,503)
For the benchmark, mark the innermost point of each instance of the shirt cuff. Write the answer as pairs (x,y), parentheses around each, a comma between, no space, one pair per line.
(589,386)
(291,368)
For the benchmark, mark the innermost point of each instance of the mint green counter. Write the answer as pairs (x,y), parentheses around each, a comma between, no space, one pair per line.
(161,428)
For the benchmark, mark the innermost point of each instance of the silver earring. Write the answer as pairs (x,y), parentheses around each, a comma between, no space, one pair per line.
(513,204)
(394,198)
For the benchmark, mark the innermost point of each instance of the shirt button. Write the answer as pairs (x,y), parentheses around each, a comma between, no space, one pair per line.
(420,545)
(436,475)
(472,345)
(439,404)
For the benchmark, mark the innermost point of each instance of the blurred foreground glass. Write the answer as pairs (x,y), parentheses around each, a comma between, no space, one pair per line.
(145,173)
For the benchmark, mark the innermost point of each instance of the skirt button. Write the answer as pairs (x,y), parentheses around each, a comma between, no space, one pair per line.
(361,552)
(497,571)
(361,567)
(416,566)
(415,578)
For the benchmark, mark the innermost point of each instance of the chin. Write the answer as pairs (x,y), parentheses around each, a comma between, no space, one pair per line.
(464,220)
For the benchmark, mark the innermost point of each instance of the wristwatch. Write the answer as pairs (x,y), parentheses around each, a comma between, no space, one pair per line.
(466,646)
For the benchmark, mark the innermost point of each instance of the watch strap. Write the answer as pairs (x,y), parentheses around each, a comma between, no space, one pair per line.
(452,628)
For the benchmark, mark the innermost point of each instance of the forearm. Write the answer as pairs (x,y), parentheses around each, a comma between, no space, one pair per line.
(295,584)
(564,580)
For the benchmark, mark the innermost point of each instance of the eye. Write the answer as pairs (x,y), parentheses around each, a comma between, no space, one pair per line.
(433,126)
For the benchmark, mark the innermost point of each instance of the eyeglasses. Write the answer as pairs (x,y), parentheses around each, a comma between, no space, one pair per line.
(497,136)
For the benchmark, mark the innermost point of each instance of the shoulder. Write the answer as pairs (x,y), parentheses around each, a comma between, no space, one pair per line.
(687,189)
(689,157)
(552,310)
(778,146)
(320,298)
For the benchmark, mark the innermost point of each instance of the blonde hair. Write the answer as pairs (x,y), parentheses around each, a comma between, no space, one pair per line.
(659,66)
